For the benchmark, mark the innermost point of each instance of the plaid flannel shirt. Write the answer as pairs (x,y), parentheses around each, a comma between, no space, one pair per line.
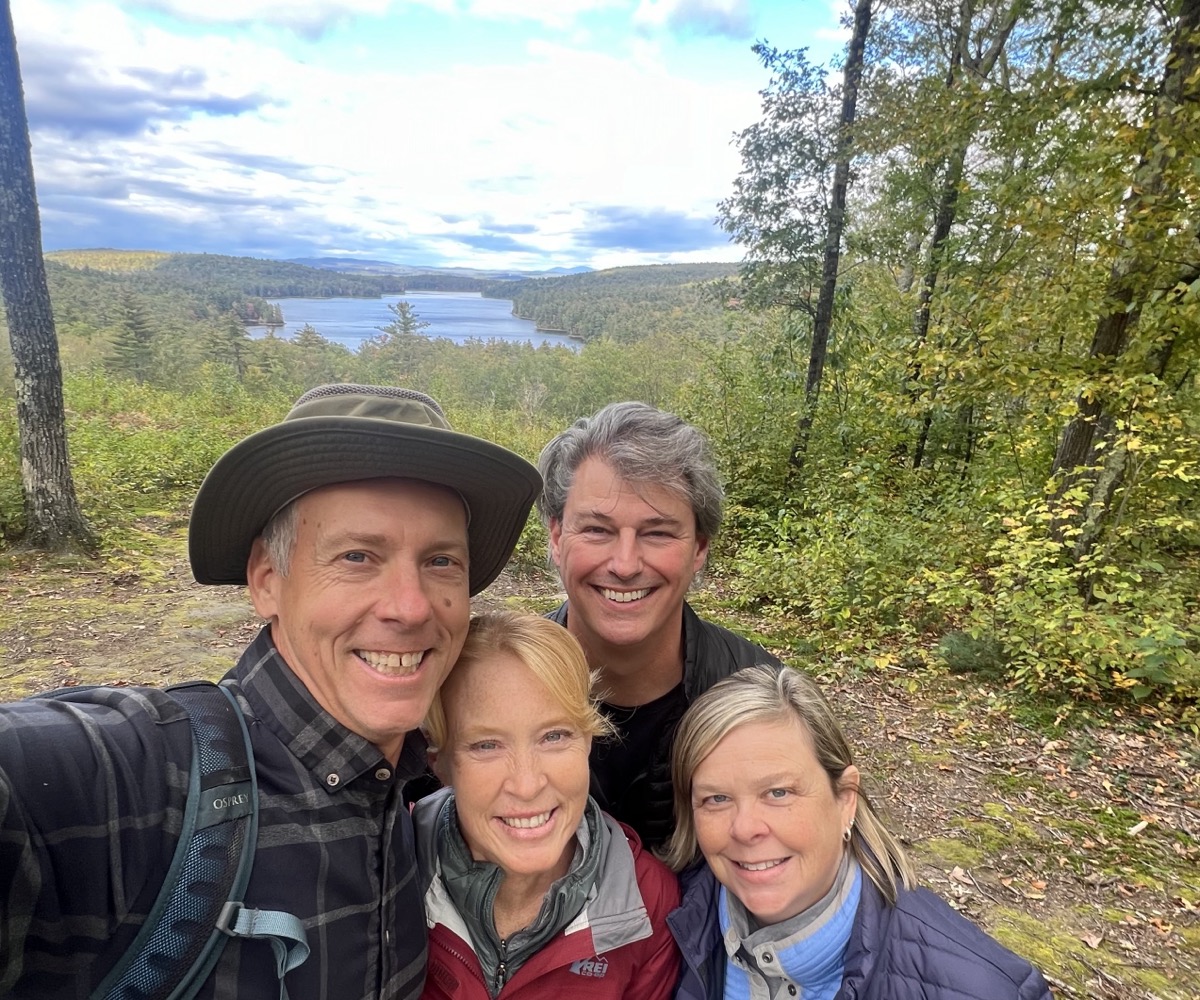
(91,800)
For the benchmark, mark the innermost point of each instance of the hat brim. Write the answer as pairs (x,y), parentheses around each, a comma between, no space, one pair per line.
(272,467)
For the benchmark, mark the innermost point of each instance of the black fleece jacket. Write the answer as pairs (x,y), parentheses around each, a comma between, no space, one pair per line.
(710,653)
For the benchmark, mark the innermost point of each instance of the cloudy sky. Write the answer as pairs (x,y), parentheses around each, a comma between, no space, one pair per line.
(483,133)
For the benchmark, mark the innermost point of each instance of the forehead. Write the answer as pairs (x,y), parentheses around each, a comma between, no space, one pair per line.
(496,689)
(776,744)
(598,488)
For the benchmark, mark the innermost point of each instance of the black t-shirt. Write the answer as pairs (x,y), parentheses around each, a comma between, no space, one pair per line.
(621,778)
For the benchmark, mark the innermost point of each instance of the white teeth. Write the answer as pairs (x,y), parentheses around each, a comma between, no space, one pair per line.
(760,866)
(398,664)
(624,596)
(526,822)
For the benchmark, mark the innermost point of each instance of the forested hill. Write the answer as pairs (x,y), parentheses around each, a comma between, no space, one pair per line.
(623,303)
(91,289)
(228,276)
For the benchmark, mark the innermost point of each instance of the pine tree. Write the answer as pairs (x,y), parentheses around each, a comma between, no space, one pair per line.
(134,342)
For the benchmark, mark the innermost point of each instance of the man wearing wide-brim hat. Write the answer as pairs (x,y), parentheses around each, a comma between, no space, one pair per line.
(362,524)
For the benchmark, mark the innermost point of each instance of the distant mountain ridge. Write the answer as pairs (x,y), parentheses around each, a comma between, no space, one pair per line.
(363,266)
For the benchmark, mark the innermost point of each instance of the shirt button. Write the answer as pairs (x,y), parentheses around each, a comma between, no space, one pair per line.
(767,957)
(383,774)
(791,990)
(332,780)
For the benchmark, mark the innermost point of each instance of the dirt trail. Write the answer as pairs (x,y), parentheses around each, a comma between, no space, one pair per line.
(1081,851)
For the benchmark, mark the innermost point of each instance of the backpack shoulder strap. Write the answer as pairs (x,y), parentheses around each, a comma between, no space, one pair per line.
(173,954)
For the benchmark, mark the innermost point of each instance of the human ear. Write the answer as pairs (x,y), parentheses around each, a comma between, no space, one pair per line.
(555,539)
(847,792)
(262,578)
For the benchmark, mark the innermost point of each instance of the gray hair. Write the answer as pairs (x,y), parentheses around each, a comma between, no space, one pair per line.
(279,537)
(644,445)
(769,694)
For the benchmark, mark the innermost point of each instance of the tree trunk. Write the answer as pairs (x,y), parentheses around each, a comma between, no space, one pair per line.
(823,321)
(947,206)
(1088,452)
(52,516)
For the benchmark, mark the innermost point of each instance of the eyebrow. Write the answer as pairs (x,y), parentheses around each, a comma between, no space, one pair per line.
(484,731)
(599,515)
(376,540)
(766,781)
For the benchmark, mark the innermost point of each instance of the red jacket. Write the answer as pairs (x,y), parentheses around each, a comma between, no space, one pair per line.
(608,952)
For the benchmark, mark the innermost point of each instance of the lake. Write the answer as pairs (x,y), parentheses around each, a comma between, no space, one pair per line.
(457,316)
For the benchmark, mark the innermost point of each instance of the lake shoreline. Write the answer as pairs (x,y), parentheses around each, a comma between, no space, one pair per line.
(456,316)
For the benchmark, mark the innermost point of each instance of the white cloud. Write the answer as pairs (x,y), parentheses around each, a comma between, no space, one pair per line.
(703,17)
(310,17)
(249,140)
(553,13)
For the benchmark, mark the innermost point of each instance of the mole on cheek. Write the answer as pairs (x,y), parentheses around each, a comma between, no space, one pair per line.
(447,603)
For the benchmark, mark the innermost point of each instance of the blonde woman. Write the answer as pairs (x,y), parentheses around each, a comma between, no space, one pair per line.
(533,892)
(802,891)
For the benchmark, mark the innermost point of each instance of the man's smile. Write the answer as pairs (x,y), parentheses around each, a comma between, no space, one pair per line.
(396,664)
(624,596)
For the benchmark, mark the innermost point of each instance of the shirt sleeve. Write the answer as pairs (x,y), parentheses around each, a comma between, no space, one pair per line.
(91,800)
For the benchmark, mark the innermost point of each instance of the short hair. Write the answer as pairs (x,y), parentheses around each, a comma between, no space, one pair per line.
(771,694)
(643,445)
(550,652)
(279,536)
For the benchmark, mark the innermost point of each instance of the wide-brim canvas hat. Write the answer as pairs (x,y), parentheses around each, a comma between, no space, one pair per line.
(345,433)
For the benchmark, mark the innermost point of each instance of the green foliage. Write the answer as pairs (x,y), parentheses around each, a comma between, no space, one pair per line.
(1136,634)
(964,653)
(137,449)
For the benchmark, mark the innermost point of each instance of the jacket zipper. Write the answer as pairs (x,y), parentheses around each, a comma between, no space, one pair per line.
(501,968)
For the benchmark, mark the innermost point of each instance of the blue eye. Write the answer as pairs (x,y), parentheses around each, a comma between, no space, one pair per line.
(355,557)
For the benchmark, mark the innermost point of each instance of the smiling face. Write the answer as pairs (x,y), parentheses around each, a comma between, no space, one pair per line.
(518,766)
(626,555)
(768,820)
(374,609)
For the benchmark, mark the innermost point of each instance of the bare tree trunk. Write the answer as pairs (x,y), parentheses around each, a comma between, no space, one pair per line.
(1088,452)
(823,322)
(52,516)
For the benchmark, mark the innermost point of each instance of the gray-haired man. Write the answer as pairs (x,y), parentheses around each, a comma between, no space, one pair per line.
(362,523)
(631,500)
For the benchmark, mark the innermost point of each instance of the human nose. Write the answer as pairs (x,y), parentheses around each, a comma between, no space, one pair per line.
(403,597)
(747,824)
(525,777)
(626,556)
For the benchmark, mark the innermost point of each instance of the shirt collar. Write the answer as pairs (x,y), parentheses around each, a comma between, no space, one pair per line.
(333,754)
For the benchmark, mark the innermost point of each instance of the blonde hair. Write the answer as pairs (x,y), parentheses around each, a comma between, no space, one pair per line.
(550,652)
(770,694)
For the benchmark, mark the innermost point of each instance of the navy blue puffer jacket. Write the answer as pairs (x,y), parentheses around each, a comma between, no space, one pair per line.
(919,949)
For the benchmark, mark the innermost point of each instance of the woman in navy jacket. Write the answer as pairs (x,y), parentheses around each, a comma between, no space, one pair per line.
(801,891)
